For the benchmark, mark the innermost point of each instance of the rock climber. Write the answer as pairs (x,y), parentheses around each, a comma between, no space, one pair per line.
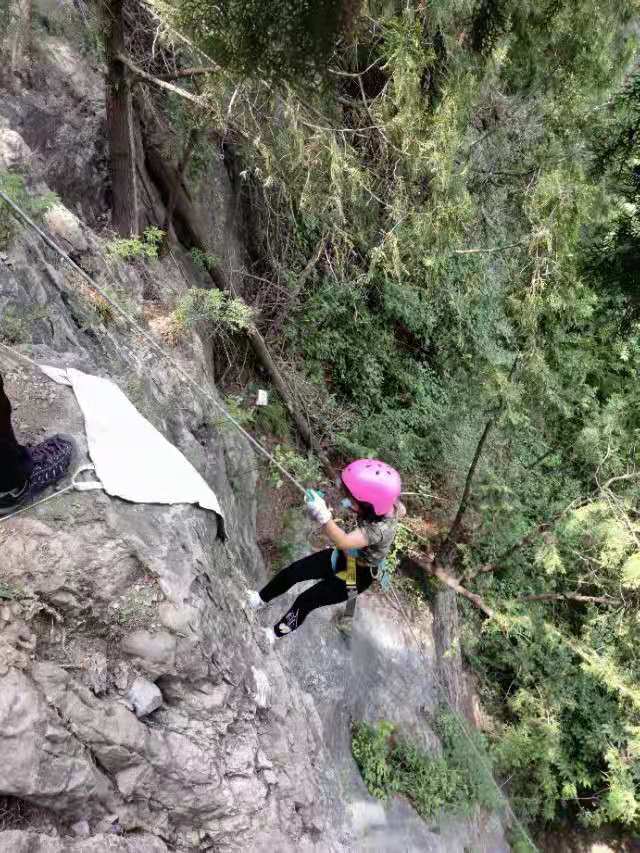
(26,471)
(372,489)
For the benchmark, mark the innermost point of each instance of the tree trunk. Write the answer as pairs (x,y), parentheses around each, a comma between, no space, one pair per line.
(188,228)
(446,634)
(182,168)
(124,215)
(22,18)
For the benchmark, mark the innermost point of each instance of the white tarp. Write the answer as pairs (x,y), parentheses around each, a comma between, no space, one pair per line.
(132,459)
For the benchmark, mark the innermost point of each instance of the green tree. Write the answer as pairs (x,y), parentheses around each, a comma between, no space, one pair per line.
(273,40)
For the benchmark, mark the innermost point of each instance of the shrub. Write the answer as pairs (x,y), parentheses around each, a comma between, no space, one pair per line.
(456,781)
(146,246)
(306,469)
(212,311)
(205,261)
(14,186)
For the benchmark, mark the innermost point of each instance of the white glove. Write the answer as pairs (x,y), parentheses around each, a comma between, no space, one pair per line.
(317,508)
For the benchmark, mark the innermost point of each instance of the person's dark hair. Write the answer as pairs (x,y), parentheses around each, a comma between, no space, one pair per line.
(367,512)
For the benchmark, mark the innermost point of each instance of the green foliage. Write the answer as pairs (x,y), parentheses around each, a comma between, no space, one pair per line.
(614,251)
(14,185)
(146,246)
(16,324)
(13,328)
(274,419)
(274,40)
(306,469)
(371,750)
(454,782)
(212,311)
(9,592)
(205,261)
(236,407)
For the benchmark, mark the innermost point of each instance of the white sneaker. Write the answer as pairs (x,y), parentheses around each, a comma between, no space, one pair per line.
(269,636)
(253,600)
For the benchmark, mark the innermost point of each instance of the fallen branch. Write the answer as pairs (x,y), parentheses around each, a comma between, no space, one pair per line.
(157,81)
(494,249)
(264,357)
(189,72)
(632,476)
(573,596)
(436,570)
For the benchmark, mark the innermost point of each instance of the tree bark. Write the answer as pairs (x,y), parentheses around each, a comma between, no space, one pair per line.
(120,131)
(21,44)
(446,633)
(182,168)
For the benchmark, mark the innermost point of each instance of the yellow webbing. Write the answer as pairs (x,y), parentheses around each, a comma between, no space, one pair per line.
(348,575)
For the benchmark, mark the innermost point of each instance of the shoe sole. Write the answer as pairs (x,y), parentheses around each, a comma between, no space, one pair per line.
(21,504)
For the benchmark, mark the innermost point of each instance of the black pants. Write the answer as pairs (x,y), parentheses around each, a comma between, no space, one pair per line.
(15,462)
(330,590)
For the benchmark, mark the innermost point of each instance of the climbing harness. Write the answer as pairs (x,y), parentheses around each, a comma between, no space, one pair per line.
(350,571)
(382,573)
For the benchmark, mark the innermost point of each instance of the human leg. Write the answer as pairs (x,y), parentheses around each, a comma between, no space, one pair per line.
(327,592)
(316,566)
(15,461)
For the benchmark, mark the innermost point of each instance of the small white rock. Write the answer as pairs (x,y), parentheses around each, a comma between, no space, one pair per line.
(145,696)
(81,829)
(14,151)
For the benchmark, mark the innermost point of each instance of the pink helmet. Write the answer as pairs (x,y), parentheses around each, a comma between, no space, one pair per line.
(373,482)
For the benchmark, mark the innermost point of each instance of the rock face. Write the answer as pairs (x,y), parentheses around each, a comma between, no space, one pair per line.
(250,748)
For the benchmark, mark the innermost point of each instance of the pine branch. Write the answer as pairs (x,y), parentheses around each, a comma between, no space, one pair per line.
(436,570)
(525,540)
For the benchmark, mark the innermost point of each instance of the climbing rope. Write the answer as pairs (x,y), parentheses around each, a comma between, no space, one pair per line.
(149,339)
(77,485)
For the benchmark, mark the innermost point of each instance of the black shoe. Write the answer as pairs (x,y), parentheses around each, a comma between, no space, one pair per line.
(51,460)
